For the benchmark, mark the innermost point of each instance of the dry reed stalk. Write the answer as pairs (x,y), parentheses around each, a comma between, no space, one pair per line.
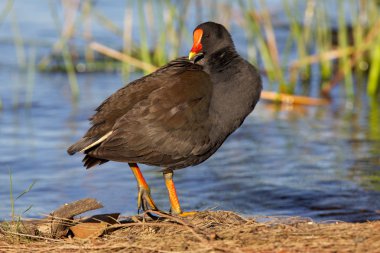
(324,56)
(267,95)
(292,99)
(122,57)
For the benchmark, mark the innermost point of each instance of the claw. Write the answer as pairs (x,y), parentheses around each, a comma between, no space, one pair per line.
(144,200)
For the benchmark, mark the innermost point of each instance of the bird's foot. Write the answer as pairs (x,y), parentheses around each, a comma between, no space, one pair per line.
(180,213)
(145,201)
(187,214)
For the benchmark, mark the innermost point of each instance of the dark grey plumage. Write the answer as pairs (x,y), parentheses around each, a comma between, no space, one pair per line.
(179,115)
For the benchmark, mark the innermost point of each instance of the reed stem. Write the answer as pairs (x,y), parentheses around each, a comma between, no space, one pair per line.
(374,73)
(343,42)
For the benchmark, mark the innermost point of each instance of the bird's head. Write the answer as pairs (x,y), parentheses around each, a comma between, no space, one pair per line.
(208,38)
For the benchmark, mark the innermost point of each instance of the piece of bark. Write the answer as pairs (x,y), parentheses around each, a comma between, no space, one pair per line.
(88,230)
(61,219)
(94,226)
(110,218)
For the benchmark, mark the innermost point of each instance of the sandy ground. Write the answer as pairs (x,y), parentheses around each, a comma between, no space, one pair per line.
(209,231)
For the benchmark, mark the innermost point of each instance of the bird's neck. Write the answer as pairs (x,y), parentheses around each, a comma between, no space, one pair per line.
(236,89)
(220,60)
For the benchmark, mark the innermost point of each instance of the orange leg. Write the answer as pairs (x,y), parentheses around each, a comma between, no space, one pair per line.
(144,199)
(173,197)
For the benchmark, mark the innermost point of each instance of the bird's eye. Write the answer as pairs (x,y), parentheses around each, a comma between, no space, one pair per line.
(198,57)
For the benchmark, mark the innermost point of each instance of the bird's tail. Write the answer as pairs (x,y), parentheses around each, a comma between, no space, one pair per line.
(80,145)
(86,145)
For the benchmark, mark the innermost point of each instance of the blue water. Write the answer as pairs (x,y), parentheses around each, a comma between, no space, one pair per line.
(318,162)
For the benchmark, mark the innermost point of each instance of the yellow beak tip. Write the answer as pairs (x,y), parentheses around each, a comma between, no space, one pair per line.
(192,55)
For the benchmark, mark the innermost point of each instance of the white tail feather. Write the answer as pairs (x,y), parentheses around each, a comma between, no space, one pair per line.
(100,140)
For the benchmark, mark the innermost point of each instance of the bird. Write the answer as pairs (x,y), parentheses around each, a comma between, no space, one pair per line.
(176,117)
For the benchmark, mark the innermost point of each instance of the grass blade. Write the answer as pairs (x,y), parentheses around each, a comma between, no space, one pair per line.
(26,190)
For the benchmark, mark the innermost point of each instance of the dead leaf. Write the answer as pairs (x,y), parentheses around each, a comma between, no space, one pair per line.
(88,230)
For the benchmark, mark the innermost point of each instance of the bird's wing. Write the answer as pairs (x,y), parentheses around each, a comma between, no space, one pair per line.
(112,109)
(168,125)
(123,100)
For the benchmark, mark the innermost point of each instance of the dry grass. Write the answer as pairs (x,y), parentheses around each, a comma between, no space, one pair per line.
(213,231)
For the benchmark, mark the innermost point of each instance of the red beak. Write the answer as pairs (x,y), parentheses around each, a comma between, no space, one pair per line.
(197,46)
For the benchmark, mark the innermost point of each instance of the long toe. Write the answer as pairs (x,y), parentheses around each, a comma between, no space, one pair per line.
(187,214)
(145,201)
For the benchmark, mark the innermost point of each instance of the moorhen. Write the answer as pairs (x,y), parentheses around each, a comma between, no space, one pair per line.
(177,116)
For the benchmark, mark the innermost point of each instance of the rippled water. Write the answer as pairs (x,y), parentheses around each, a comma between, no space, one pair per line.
(321,162)
(318,163)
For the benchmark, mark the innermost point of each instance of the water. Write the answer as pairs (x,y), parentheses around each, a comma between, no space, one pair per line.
(320,162)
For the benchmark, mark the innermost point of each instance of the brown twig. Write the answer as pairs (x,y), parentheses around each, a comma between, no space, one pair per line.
(68,211)
(182,222)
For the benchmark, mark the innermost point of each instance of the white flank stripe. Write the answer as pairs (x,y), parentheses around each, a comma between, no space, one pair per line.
(97,142)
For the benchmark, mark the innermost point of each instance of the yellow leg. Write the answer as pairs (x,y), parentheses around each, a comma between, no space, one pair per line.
(173,197)
(144,199)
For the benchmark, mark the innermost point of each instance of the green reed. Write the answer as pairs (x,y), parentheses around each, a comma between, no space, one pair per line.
(63,46)
(70,69)
(323,40)
(127,41)
(86,20)
(358,31)
(254,34)
(171,32)
(300,34)
(374,73)
(273,49)
(160,57)
(18,41)
(373,85)
(315,35)
(144,47)
(343,42)
(31,73)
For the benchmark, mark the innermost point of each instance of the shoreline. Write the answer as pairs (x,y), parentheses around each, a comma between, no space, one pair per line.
(205,231)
